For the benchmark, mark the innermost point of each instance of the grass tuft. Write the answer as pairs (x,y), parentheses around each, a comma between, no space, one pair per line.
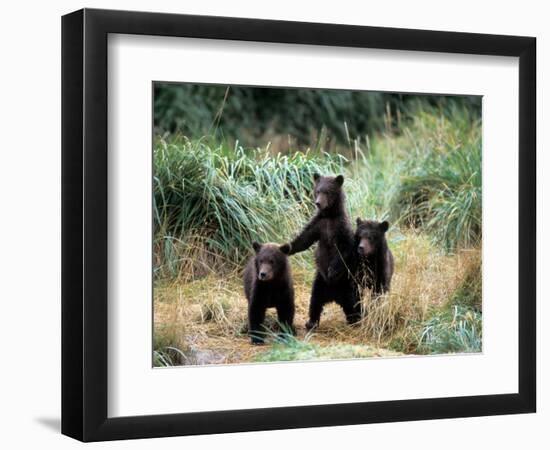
(211,202)
(440,186)
(456,330)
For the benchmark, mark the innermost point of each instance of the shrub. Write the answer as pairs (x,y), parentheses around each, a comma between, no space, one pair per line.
(211,200)
(255,115)
(440,186)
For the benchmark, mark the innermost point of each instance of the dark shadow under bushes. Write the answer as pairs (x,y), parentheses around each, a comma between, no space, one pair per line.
(255,115)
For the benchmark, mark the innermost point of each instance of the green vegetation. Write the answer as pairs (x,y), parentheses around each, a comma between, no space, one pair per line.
(419,167)
(440,189)
(221,199)
(290,348)
(255,114)
(226,198)
(455,330)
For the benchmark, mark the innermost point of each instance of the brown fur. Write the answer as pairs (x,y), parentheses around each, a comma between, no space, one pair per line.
(331,229)
(375,259)
(268,284)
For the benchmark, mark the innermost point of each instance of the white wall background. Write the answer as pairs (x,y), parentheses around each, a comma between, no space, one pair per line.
(30,225)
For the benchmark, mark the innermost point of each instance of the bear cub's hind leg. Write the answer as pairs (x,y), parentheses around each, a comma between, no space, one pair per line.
(319,296)
(351,306)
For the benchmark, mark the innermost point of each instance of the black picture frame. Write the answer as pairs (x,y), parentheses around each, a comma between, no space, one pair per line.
(84,224)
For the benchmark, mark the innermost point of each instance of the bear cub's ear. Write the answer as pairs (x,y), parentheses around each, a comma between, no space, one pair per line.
(358,221)
(256,246)
(340,180)
(285,248)
(384,226)
(316,177)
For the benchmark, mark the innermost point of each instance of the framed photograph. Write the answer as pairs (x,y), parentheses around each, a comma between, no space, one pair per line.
(273,224)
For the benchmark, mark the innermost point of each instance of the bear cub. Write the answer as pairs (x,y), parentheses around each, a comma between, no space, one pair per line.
(268,284)
(375,268)
(331,229)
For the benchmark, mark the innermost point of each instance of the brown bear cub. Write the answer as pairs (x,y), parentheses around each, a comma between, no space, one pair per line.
(335,253)
(375,259)
(268,284)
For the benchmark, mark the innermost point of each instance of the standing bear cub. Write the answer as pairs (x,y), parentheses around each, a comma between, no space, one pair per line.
(375,268)
(335,254)
(268,284)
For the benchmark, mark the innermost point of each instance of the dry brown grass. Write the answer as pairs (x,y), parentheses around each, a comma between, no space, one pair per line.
(190,256)
(206,318)
(424,279)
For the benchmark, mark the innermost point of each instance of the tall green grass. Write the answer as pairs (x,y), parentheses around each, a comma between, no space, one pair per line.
(212,200)
(224,198)
(440,183)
